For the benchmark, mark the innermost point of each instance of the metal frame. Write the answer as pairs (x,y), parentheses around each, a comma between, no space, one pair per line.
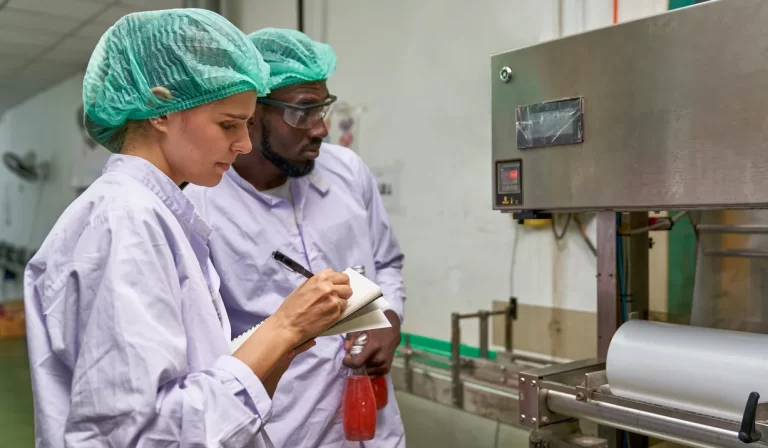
(458,364)
(557,394)
(673,119)
(607,305)
(488,388)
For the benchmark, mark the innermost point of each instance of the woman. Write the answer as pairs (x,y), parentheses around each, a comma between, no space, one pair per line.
(128,339)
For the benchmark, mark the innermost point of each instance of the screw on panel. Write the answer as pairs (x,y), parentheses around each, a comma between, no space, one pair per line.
(505,74)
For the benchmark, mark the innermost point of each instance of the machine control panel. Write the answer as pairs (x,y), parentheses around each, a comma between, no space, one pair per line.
(552,123)
(509,183)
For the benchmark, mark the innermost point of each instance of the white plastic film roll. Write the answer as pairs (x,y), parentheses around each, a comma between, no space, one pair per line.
(701,370)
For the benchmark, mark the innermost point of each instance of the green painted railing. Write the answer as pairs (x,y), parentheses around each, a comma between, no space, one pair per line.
(441,348)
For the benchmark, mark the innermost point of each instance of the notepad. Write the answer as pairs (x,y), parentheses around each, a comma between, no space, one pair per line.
(364,311)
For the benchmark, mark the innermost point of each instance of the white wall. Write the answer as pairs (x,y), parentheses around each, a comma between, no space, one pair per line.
(252,15)
(47,125)
(422,74)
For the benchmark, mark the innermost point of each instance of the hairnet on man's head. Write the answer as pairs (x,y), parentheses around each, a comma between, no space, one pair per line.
(293,57)
(155,63)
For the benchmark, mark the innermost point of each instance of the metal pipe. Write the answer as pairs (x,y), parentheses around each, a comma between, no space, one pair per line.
(456,387)
(300,14)
(479,313)
(536,358)
(607,300)
(640,422)
(408,371)
(508,346)
(422,354)
(483,315)
(736,253)
(745,229)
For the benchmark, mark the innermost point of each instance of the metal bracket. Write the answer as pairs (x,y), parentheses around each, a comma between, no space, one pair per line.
(580,378)
(408,353)
(457,387)
(592,383)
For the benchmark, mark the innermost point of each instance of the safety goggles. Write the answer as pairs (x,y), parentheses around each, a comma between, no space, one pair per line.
(302,116)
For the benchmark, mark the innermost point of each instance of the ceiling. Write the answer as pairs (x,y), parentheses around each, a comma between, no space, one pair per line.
(43,42)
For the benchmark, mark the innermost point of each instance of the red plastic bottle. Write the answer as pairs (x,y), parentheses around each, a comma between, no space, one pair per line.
(359,405)
(380,383)
(380,391)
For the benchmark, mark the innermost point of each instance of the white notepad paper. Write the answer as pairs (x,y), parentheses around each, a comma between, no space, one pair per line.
(364,311)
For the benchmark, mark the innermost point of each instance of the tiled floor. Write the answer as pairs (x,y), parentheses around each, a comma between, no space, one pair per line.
(16,415)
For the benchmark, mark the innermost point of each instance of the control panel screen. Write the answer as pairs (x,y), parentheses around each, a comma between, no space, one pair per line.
(550,124)
(509,183)
(509,178)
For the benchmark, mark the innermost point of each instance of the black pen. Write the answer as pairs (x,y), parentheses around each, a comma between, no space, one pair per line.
(290,264)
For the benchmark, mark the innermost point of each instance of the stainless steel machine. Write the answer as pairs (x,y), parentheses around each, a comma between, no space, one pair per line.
(664,113)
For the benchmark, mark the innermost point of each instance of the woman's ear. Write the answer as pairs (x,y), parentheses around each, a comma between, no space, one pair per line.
(160,123)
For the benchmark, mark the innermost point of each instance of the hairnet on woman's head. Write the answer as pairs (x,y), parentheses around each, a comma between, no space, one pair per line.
(293,57)
(155,63)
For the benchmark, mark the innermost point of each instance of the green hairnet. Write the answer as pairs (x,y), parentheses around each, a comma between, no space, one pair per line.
(188,56)
(293,57)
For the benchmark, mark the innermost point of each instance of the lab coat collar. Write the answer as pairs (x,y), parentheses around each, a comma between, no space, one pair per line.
(318,181)
(314,178)
(163,187)
(249,188)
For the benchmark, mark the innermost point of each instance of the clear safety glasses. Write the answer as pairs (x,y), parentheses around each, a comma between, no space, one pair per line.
(302,116)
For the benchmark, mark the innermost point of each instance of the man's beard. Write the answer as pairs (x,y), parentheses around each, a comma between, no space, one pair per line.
(290,169)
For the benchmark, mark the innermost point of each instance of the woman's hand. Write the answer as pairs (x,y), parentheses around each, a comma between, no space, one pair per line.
(315,305)
(308,311)
(271,381)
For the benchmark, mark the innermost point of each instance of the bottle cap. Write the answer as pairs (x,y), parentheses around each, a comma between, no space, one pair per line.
(362,339)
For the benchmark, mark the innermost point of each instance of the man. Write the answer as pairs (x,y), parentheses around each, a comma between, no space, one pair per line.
(319,204)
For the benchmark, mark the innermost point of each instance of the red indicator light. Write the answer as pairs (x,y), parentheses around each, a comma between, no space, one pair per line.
(513,174)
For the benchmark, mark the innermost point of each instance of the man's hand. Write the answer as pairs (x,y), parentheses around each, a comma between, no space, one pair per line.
(273,378)
(380,349)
